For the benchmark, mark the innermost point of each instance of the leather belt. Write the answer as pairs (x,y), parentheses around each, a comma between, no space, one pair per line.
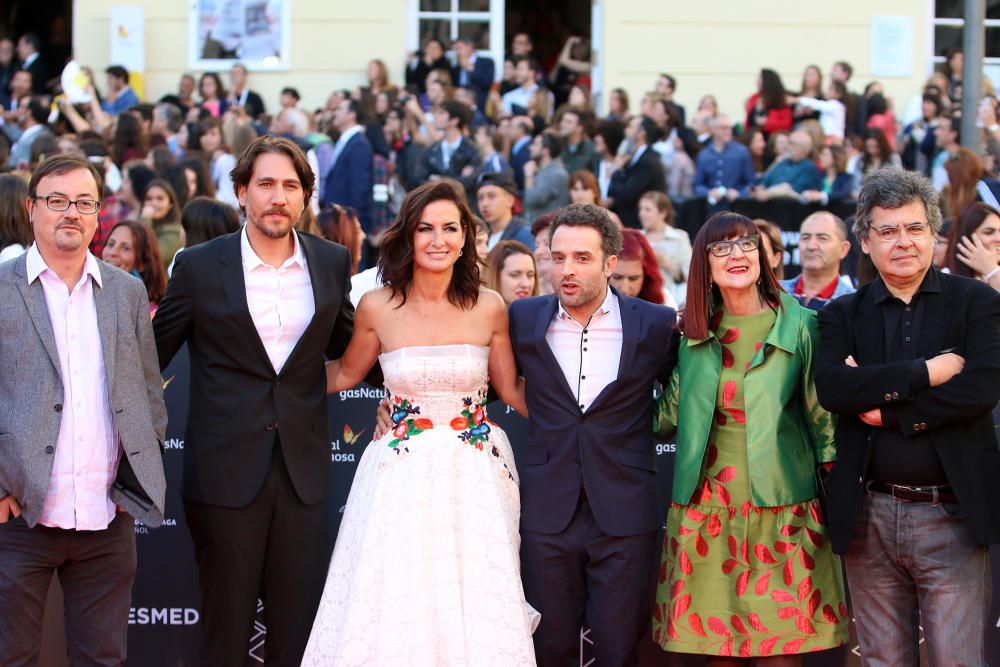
(916,494)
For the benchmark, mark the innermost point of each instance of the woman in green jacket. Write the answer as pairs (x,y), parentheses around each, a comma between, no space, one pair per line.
(747,568)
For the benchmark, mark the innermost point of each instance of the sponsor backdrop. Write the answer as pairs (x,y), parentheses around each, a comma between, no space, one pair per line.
(164,624)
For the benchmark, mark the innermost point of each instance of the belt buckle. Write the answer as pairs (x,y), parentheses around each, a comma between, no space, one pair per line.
(893,493)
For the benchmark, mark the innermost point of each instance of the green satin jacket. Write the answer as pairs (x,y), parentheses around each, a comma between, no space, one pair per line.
(788,433)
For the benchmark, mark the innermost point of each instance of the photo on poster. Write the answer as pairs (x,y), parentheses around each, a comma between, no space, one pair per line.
(256,33)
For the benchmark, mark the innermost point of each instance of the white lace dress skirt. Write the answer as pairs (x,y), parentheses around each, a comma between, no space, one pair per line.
(426,571)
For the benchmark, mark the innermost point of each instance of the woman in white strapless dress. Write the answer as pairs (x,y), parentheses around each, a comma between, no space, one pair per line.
(425,572)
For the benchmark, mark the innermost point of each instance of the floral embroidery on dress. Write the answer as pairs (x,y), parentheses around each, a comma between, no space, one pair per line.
(402,426)
(475,428)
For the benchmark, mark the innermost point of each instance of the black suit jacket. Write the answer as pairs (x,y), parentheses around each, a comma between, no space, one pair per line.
(610,449)
(480,78)
(39,76)
(630,183)
(965,318)
(466,155)
(238,403)
(254,105)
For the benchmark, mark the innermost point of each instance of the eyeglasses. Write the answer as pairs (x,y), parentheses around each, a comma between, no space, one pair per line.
(59,204)
(913,231)
(724,248)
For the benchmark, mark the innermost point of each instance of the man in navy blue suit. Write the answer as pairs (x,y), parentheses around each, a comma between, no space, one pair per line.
(473,70)
(521,133)
(589,509)
(346,170)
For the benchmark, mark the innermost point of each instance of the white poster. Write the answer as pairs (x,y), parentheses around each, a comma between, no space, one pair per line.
(892,46)
(128,44)
(256,33)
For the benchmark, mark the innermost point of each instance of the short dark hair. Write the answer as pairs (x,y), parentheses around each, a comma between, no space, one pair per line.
(395,263)
(204,218)
(595,217)
(58,165)
(291,91)
(671,80)
(457,110)
(652,130)
(32,38)
(613,133)
(243,170)
(533,63)
(846,66)
(355,107)
(542,223)
(552,143)
(118,72)
(38,108)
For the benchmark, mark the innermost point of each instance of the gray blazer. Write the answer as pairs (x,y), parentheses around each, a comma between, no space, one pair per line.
(31,390)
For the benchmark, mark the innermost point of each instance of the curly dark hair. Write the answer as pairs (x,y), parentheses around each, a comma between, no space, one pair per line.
(395,263)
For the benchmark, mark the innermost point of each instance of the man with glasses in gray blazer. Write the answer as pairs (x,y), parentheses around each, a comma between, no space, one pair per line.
(82,420)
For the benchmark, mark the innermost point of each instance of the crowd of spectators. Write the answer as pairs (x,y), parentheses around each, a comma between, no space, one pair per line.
(519,148)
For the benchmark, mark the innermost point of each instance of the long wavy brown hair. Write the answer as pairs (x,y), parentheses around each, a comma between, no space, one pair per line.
(148,264)
(395,264)
(964,171)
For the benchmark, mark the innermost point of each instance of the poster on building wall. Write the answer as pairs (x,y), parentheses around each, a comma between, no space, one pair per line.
(256,33)
(128,43)
(892,46)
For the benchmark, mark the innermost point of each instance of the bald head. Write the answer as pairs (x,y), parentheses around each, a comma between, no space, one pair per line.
(801,145)
(827,220)
(721,128)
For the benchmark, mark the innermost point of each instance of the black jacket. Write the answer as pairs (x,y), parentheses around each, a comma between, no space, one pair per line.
(630,183)
(432,162)
(238,403)
(963,317)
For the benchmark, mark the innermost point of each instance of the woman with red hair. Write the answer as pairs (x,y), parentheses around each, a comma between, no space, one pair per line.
(637,274)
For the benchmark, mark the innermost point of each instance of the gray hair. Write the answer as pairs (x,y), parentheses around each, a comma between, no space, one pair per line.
(595,217)
(171,114)
(892,188)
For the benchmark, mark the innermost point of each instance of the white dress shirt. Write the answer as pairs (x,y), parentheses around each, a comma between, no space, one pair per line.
(280,299)
(588,354)
(87,449)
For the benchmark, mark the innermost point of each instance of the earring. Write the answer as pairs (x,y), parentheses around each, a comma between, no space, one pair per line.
(460,252)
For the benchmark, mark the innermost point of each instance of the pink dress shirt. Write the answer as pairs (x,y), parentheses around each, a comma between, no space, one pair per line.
(87,450)
(280,299)
(588,354)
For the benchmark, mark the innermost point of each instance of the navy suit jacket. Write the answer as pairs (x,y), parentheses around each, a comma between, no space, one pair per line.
(517,161)
(350,180)
(480,78)
(609,450)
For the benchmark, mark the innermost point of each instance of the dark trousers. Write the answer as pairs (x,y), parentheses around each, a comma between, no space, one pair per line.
(96,570)
(276,548)
(583,575)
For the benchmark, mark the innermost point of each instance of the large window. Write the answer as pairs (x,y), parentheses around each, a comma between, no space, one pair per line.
(447,20)
(949,20)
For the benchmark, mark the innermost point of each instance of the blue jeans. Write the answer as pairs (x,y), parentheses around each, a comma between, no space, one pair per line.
(915,563)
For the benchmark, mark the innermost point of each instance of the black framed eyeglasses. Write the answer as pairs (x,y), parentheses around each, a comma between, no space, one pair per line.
(58,203)
(724,248)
